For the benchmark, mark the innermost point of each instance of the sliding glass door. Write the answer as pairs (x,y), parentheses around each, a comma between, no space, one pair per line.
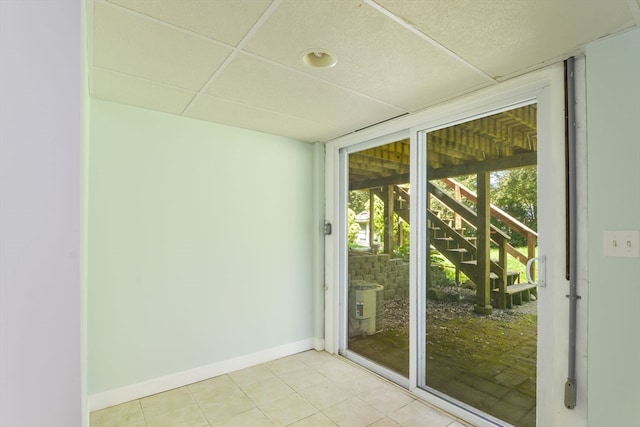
(447,229)
(480,328)
(377,255)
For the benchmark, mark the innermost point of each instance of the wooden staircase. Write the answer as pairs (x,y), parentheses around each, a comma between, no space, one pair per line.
(461,249)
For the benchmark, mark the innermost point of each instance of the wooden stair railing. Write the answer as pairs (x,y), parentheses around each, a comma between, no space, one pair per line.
(499,237)
(499,277)
(453,245)
(506,219)
(459,250)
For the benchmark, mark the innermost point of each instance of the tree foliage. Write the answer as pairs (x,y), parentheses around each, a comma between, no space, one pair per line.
(516,192)
(353,228)
(359,200)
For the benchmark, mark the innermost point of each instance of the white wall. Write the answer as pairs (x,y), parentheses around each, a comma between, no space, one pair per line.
(613,126)
(40,251)
(202,240)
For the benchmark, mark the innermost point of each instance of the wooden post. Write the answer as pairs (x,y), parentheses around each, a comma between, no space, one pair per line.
(531,253)
(483,292)
(457,223)
(372,228)
(501,299)
(429,237)
(457,218)
(388,220)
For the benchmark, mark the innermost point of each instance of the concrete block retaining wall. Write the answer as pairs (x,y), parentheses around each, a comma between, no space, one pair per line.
(393,274)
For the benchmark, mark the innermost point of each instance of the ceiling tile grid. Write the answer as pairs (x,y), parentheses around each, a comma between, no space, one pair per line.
(502,37)
(376,56)
(126,89)
(238,62)
(226,21)
(250,81)
(140,47)
(247,117)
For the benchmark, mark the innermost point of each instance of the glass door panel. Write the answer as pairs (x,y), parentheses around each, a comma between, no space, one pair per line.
(378,255)
(481,313)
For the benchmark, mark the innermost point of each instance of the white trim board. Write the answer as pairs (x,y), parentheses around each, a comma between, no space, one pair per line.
(318,344)
(179,379)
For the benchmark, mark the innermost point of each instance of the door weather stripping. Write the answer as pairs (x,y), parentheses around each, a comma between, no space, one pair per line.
(570,387)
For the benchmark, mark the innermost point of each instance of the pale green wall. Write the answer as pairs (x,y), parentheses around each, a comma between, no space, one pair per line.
(613,128)
(200,244)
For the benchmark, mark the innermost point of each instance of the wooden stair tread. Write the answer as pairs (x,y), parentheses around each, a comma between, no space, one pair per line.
(451,242)
(519,287)
(510,273)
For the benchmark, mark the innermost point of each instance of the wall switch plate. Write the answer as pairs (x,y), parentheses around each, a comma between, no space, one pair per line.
(624,244)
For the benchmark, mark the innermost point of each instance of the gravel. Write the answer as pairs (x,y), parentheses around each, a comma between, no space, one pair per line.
(458,302)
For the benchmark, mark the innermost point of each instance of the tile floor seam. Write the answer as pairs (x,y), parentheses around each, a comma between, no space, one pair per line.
(144,417)
(255,406)
(265,415)
(361,401)
(295,421)
(308,401)
(244,393)
(198,404)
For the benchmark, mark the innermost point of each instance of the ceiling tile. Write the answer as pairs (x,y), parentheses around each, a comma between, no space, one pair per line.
(251,81)
(158,53)
(376,56)
(130,90)
(224,20)
(247,117)
(502,37)
(137,46)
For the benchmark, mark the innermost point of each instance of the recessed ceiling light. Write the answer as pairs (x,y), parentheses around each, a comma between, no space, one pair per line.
(318,58)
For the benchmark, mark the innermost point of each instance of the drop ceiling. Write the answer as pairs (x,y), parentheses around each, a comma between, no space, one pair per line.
(238,62)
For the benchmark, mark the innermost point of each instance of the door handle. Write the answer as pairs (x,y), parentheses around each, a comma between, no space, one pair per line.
(542,271)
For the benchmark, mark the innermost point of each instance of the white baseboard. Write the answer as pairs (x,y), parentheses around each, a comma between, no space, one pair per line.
(318,344)
(157,385)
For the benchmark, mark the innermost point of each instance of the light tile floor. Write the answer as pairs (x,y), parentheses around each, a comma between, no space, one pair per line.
(307,389)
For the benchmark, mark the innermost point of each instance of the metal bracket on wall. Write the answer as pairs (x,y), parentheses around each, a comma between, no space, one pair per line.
(327,228)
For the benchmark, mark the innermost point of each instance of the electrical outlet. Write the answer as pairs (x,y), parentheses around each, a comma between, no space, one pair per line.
(624,244)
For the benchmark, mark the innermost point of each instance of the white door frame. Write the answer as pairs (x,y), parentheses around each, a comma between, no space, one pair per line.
(342,254)
(547,88)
